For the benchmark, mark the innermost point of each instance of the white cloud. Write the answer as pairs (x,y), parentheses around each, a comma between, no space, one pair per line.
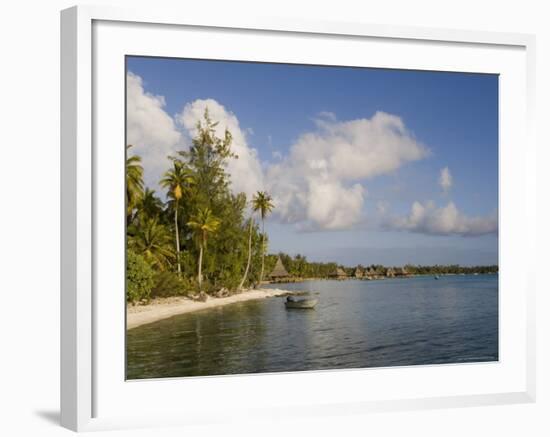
(319,181)
(149,129)
(446,179)
(327,115)
(448,220)
(332,206)
(246,171)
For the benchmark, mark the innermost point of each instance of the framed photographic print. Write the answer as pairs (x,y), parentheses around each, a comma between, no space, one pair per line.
(255,209)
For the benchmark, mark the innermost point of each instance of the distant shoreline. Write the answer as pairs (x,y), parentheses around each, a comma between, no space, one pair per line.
(377,278)
(164,308)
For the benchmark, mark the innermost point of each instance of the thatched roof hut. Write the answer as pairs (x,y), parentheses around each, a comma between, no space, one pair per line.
(390,273)
(279,270)
(359,272)
(402,272)
(339,274)
(371,272)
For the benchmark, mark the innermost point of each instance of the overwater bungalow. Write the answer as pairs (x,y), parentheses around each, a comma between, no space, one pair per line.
(279,272)
(390,272)
(339,274)
(401,272)
(359,273)
(371,273)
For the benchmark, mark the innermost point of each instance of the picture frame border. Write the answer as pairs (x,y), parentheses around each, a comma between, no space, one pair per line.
(77,196)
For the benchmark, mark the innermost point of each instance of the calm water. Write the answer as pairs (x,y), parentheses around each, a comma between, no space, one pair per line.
(395,322)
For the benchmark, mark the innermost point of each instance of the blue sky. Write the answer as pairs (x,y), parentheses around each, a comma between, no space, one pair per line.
(420,183)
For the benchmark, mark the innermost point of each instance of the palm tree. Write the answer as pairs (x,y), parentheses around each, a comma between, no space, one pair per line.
(150,206)
(251,221)
(152,240)
(134,183)
(262,202)
(175,180)
(203,223)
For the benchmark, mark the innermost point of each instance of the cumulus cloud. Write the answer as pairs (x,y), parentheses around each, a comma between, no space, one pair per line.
(332,206)
(246,171)
(429,219)
(445,179)
(319,182)
(150,130)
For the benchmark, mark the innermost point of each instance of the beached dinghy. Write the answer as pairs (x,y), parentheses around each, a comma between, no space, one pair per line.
(291,302)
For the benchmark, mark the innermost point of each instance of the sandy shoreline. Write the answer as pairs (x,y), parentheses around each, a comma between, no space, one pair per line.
(168,307)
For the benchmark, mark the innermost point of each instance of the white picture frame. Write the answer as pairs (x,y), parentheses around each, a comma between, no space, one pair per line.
(91,388)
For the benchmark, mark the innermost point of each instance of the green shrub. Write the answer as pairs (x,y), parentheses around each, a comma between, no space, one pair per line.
(139,278)
(169,284)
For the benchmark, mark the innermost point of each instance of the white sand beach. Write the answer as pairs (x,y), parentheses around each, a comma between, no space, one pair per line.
(163,308)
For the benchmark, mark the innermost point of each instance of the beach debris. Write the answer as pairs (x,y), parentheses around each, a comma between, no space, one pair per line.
(222,292)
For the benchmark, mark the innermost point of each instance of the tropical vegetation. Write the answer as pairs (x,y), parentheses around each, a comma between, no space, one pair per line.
(196,235)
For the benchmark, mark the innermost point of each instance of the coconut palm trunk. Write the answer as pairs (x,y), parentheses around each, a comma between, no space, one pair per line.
(262,202)
(263,252)
(177,239)
(202,223)
(199,276)
(249,255)
(176,180)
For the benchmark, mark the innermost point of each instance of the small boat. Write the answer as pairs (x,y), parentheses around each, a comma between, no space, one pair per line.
(302,304)
(436,277)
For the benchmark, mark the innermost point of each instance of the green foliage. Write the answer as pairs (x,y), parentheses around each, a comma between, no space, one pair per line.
(207,159)
(203,224)
(134,184)
(200,231)
(153,241)
(170,284)
(299,267)
(262,203)
(149,206)
(178,180)
(225,254)
(139,278)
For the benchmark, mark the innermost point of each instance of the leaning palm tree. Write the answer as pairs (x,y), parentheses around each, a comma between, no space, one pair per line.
(202,224)
(262,202)
(134,183)
(152,240)
(243,280)
(175,180)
